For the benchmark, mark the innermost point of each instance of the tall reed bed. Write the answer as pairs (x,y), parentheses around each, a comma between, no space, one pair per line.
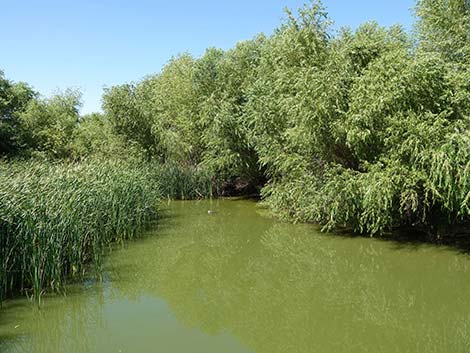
(182,182)
(57,218)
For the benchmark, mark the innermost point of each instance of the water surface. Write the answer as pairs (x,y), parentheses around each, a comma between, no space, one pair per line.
(236,281)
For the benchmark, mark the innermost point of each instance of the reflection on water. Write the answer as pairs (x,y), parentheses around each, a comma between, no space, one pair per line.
(234,281)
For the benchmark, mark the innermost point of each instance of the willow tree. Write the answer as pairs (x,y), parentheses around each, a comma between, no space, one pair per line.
(444,27)
(224,93)
(172,103)
(122,107)
(280,96)
(366,130)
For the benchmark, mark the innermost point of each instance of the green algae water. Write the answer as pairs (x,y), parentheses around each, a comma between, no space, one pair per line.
(236,281)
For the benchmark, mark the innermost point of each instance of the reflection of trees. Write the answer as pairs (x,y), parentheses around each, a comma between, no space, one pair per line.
(278,288)
(283,288)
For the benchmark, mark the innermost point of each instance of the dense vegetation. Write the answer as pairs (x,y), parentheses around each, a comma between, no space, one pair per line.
(366,129)
(55,219)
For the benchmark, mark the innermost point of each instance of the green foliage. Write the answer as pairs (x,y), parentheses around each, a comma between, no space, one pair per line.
(444,27)
(57,218)
(352,129)
(127,118)
(228,149)
(370,136)
(94,137)
(48,124)
(14,97)
(182,182)
(448,175)
(173,105)
(282,96)
(51,128)
(157,112)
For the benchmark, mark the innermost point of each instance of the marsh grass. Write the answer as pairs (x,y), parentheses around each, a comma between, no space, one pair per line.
(56,219)
(183,183)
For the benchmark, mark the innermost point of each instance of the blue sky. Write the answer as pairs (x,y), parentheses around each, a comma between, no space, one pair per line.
(90,44)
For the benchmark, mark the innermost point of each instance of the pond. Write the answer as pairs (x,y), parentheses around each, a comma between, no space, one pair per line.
(237,281)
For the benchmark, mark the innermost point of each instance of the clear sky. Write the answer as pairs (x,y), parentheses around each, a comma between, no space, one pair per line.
(90,44)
